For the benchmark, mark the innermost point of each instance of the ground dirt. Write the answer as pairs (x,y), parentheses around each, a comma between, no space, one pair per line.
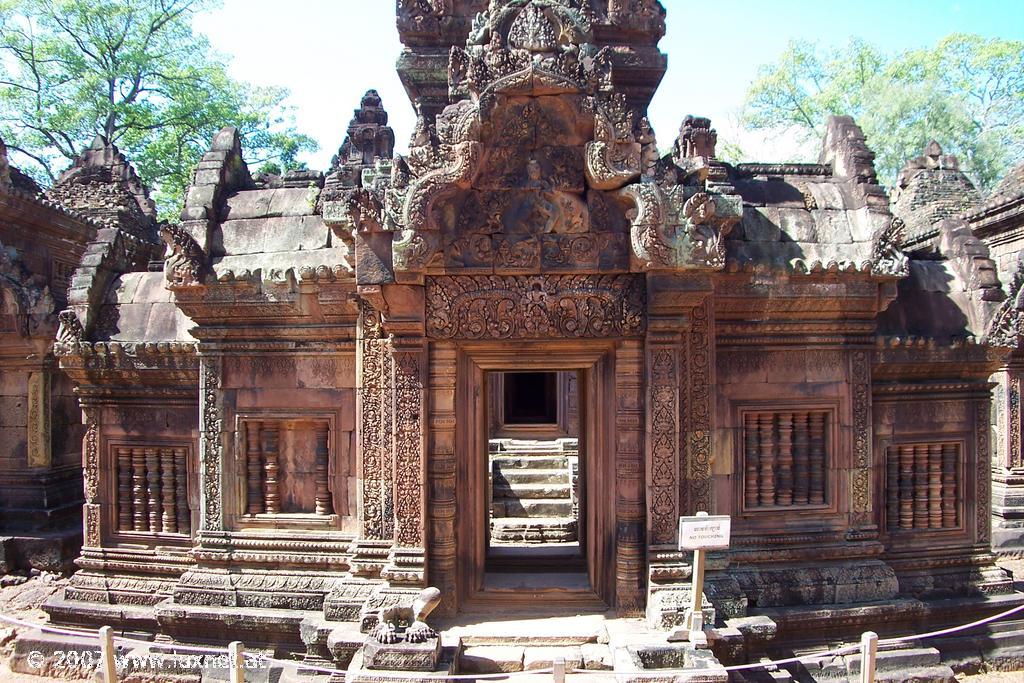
(22,602)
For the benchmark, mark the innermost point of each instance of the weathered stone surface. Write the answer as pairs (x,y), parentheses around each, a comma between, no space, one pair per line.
(488,659)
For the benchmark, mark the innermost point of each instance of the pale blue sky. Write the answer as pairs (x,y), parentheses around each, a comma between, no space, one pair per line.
(328,52)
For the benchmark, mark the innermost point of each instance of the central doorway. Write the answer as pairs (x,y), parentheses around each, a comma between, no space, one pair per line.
(536,482)
(535,490)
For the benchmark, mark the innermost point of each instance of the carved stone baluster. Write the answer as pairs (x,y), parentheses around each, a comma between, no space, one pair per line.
(153,498)
(921,487)
(784,492)
(272,498)
(125,500)
(140,516)
(181,510)
(906,487)
(324,506)
(168,520)
(752,456)
(254,469)
(766,488)
(816,458)
(801,456)
(892,488)
(949,486)
(935,486)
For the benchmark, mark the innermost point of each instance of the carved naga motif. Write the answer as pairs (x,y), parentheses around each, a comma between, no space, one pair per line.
(70,330)
(185,259)
(410,202)
(1005,328)
(887,257)
(669,232)
(614,157)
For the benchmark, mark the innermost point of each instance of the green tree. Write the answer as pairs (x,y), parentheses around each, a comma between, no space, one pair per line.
(967,93)
(135,72)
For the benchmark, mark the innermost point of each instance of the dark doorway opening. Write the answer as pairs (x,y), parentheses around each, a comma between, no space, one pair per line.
(536,500)
(531,397)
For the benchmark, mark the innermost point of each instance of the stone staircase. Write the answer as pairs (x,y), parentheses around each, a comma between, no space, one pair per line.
(533,500)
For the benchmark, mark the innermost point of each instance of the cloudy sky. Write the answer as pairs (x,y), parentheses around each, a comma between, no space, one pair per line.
(328,52)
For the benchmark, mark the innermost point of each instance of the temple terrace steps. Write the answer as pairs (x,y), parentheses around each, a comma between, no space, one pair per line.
(533,500)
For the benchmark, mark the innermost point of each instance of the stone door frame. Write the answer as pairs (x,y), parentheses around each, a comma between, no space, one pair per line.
(462,569)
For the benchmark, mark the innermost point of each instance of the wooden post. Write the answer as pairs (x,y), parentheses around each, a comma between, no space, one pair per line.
(107,654)
(696,620)
(558,669)
(868,652)
(236,657)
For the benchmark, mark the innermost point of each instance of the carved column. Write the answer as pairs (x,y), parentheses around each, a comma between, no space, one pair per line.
(254,468)
(1008,462)
(630,577)
(407,562)
(271,440)
(168,518)
(441,468)
(182,513)
(324,505)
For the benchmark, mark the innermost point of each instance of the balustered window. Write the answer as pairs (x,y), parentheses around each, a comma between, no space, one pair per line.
(786,457)
(152,489)
(287,467)
(922,486)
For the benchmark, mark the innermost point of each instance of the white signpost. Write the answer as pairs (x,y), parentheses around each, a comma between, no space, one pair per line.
(701,533)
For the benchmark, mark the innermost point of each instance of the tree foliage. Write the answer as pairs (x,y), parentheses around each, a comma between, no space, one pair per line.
(967,93)
(135,72)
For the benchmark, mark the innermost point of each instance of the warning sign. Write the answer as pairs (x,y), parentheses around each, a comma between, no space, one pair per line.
(704,532)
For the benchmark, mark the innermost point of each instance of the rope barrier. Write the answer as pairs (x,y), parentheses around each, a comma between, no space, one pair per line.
(654,673)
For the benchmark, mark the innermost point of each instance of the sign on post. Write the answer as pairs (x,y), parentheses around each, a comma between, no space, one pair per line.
(703,532)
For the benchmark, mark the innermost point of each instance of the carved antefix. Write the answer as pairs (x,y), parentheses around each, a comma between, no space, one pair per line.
(536,307)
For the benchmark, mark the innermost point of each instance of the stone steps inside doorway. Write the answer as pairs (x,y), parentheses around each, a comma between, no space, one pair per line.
(535,530)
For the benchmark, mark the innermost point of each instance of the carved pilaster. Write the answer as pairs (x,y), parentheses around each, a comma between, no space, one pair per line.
(701,379)
(211,443)
(406,565)
(663,433)
(373,350)
(983,470)
(1008,463)
(91,476)
(630,588)
(441,467)
(860,477)
(39,446)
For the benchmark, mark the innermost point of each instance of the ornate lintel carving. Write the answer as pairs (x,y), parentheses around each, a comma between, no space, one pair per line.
(1005,328)
(500,307)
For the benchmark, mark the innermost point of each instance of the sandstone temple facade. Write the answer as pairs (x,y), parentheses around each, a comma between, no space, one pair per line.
(505,363)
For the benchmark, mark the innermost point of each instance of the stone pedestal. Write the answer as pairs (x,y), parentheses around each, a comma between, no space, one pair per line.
(402,656)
